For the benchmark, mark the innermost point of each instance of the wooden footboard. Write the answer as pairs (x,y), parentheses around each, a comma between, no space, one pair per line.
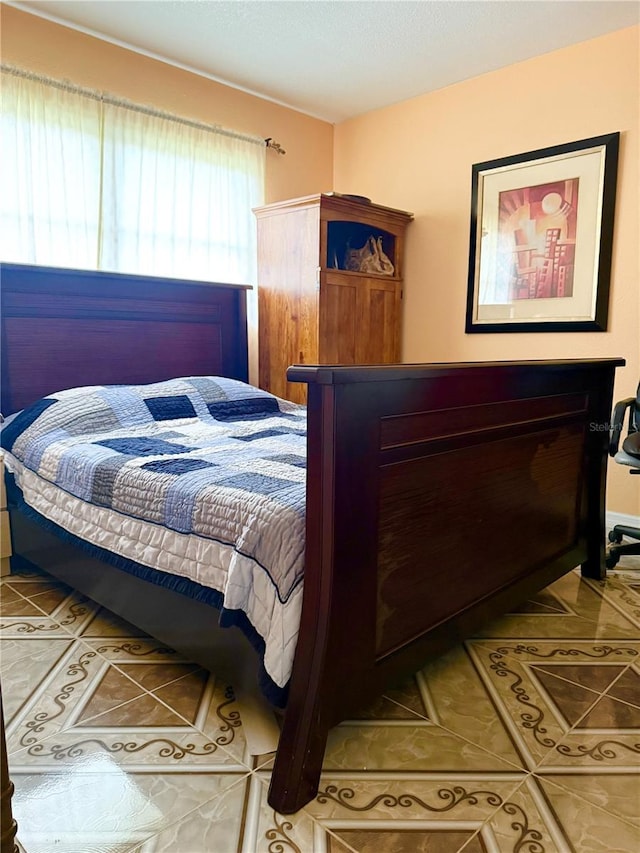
(437,498)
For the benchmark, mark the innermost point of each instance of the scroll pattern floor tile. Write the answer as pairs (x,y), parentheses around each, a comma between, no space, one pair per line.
(525,738)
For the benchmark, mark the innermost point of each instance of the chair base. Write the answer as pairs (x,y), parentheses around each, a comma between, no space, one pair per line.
(617,549)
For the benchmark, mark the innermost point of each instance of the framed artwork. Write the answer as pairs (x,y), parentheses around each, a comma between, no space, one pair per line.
(541,239)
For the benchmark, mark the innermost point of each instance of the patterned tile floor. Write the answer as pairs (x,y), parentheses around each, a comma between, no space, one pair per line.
(525,739)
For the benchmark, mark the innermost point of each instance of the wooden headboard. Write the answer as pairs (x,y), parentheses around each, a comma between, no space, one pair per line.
(63,328)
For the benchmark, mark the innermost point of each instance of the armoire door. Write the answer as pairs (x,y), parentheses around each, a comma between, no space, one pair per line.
(359,319)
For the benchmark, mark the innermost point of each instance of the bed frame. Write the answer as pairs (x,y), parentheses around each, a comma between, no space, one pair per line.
(98,328)
(438,496)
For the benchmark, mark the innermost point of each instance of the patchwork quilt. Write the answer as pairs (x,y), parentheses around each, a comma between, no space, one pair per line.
(199,477)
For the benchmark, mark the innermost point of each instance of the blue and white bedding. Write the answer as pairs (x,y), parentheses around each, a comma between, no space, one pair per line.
(201,478)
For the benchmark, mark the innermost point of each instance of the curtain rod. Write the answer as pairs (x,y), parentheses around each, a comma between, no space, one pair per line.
(271,143)
(104,98)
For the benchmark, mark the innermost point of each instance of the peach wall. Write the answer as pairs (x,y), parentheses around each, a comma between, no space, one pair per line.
(417,155)
(60,52)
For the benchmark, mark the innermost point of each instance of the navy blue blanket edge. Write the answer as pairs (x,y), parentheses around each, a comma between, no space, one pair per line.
(276,695)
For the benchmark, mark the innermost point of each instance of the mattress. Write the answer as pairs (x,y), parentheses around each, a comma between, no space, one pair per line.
(198,478)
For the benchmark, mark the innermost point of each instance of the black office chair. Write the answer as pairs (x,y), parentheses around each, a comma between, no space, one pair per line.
(628,455)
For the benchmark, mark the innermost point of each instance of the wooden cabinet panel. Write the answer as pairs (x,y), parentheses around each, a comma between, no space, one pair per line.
(338,326)
(313,307)
(379,321)
(5,534)
(358,320)
(288,278)
(288,335)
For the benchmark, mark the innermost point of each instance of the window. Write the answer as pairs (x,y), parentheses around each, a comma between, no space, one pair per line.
(97,184)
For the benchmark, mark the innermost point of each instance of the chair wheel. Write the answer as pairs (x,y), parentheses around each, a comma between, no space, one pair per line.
(611,559)
(615,537)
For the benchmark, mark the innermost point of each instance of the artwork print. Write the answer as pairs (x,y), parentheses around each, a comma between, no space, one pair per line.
(541,239)
(537,240)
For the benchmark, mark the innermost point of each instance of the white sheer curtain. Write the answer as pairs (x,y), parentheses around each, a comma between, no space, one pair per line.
(92,184)
(49,170)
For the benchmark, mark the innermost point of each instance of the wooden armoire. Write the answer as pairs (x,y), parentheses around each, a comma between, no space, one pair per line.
(312,309)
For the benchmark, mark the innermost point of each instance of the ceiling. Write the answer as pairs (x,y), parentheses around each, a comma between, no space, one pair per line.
(338,59)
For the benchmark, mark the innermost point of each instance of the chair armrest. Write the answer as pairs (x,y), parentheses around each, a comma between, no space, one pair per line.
(618,423)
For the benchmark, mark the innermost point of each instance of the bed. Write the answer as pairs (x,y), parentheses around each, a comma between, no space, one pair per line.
(437,496)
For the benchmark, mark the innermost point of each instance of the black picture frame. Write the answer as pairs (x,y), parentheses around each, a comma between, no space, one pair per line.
(541,239)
